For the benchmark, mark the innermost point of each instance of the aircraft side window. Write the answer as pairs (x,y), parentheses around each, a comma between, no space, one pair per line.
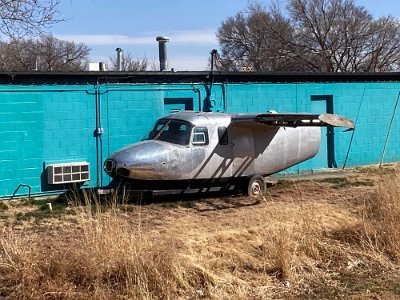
(200,136)
(223,135)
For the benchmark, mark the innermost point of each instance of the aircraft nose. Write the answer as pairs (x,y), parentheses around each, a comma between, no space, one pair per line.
(119,170)
(145,160)
(113,169)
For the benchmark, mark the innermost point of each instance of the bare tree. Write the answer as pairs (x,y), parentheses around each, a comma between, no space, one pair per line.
(248,40)
(337,35)
(19,18)
(129,63)
(45,54)
(382,50)
(58,55)
(318,35)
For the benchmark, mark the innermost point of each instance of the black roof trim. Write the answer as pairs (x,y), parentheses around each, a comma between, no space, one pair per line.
(191,77)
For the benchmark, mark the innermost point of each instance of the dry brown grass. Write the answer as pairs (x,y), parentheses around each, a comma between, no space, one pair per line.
(380,229)
(309,240)
(107,259)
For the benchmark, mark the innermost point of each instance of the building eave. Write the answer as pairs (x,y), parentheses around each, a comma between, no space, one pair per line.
(190,77)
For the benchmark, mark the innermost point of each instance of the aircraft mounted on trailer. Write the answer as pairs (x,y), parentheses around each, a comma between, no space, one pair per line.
(190,152)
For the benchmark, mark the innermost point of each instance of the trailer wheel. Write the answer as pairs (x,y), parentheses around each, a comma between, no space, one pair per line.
(256,186)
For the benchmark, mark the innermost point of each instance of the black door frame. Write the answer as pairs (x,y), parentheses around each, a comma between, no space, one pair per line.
(330,134)
(188,102)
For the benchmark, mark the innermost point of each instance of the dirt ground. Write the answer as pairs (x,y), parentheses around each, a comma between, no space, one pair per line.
(299,241)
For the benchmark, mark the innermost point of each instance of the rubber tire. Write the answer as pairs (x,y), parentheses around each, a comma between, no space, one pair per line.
(256,186)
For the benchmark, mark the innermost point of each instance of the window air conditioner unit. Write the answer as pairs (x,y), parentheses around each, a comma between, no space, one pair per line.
(68,172)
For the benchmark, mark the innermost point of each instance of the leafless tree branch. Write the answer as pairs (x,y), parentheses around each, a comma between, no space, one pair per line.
(44,54)
(20,18)
(318,35)
(129,63)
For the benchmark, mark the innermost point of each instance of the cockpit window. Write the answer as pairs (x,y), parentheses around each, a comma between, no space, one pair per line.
(172,131)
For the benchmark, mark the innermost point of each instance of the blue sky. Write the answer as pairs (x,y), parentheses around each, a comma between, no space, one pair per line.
(133,25)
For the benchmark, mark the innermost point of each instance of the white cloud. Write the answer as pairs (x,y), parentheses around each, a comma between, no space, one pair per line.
(194,37)
(179,37)
(103,39)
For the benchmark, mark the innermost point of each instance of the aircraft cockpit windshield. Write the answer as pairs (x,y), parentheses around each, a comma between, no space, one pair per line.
(171,131)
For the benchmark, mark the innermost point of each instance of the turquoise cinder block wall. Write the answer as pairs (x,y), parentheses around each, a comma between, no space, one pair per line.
(370,105)
(40,125)
(45,124)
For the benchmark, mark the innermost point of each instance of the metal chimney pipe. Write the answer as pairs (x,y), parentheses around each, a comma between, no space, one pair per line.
(119,61)
(162,51)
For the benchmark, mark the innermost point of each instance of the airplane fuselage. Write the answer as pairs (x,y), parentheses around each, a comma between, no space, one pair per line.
(207,147)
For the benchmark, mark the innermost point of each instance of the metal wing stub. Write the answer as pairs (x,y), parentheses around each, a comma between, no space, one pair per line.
(337,121)
(296,120)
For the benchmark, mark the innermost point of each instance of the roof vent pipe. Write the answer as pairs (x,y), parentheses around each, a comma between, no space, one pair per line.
(119,60)
(162,50)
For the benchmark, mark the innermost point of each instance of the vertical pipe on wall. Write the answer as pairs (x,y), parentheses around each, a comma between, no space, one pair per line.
(213,55)
(108,123)
(197,91)
(389,129)
(207,100)
(98,135)
(207,105)
(354,130)
(223,88)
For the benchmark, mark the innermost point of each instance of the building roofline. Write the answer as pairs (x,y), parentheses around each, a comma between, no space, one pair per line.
(191,77)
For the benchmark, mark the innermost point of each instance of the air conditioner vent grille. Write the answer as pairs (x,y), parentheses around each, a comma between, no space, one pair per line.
(68,172)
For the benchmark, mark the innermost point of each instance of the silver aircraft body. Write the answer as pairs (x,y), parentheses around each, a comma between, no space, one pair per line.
(198,150)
